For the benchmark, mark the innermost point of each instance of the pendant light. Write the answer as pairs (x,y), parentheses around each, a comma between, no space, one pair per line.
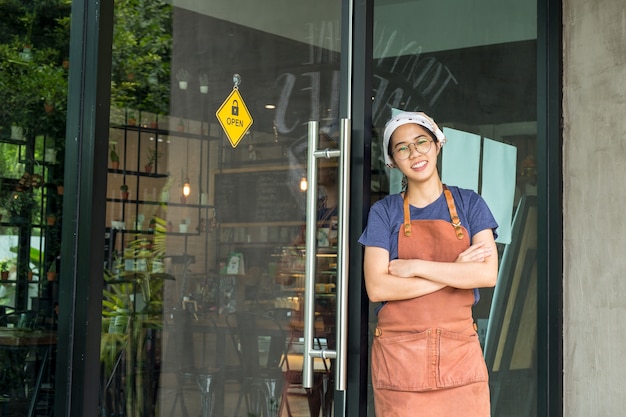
(186,188)
(186,185)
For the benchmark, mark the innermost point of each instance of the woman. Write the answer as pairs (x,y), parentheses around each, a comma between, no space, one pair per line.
(426,250)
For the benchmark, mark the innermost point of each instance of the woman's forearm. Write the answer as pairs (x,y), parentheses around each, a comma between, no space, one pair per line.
(391,288)
(381,285)
(475,267)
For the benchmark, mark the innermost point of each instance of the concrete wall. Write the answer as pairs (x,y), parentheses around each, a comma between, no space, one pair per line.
(594,174)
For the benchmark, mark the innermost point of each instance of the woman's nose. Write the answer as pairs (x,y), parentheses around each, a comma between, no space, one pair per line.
(413,149)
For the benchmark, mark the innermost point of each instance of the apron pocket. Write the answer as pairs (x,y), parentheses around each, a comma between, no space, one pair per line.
(461,360)
(400,363)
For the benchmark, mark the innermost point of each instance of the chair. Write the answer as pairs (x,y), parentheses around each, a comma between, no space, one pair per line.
(181,354)
(23,366)
(261,344)
(317,396)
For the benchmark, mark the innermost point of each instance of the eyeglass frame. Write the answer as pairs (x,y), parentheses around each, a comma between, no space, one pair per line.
(415,145)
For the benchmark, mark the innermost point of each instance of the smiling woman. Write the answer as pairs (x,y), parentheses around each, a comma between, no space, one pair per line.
(423,265)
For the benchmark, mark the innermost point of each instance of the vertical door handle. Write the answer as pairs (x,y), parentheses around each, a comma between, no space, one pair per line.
(339,354)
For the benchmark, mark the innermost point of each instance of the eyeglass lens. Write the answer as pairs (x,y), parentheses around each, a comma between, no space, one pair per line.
(404,151)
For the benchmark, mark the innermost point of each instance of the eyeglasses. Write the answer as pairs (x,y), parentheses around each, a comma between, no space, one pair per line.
(422,146)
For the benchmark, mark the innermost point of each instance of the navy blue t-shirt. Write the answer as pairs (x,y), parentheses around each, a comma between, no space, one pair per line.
(387,215)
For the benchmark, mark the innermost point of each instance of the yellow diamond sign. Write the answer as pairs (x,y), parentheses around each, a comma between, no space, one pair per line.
(234,117)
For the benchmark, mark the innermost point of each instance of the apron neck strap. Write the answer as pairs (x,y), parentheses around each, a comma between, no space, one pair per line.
(407,216)
(456,221)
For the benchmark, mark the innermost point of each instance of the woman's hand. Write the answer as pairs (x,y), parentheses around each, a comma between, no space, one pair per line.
(478,252)
(401,268)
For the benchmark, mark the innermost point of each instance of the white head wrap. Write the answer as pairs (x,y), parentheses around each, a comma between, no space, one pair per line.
(405,118)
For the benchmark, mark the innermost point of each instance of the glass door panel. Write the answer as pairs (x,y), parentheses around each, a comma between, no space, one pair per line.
(207,206)
(34,70)
(473,69)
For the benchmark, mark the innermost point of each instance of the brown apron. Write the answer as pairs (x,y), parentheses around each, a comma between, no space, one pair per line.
(426,357)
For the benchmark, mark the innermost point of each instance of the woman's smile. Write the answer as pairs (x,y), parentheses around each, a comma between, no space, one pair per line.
(419,165)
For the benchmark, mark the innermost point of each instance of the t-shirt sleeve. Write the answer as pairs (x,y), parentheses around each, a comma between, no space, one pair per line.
(378,230)
(480,217)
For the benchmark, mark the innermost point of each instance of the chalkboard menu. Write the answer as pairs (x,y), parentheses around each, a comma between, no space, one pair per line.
(256,196)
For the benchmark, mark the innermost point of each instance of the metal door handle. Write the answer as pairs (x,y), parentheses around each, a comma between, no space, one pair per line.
(343,153)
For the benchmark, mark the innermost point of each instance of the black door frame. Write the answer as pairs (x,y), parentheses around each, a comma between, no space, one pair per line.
(361,14)
(81,279)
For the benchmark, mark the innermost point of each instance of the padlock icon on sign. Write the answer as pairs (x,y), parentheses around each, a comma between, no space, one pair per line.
(235,109)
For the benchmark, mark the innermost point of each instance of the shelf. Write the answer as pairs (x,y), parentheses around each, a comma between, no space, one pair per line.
(257,165)
(158,203)
(137,173)
(12,141)
(163,132)
(150,232)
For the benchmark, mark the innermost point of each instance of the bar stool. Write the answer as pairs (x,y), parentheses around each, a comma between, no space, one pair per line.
(261,347)
(181,351)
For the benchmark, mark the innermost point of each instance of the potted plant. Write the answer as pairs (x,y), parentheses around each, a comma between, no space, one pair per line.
(182,227)
(19,205)
(51,219)
(124,190)
(52,271)
(115,158)
(131,119)
(4,269)
(60,187)
(153,157)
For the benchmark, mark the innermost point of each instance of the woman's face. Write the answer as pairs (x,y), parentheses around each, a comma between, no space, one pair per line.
(414,151)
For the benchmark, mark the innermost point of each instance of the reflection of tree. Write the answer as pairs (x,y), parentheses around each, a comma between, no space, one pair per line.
(33,65)
(142,43)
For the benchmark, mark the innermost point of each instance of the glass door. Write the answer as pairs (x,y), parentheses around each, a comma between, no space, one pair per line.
(228,164)
(472,67)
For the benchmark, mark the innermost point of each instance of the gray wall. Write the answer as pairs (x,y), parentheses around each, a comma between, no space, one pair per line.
(594,175)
